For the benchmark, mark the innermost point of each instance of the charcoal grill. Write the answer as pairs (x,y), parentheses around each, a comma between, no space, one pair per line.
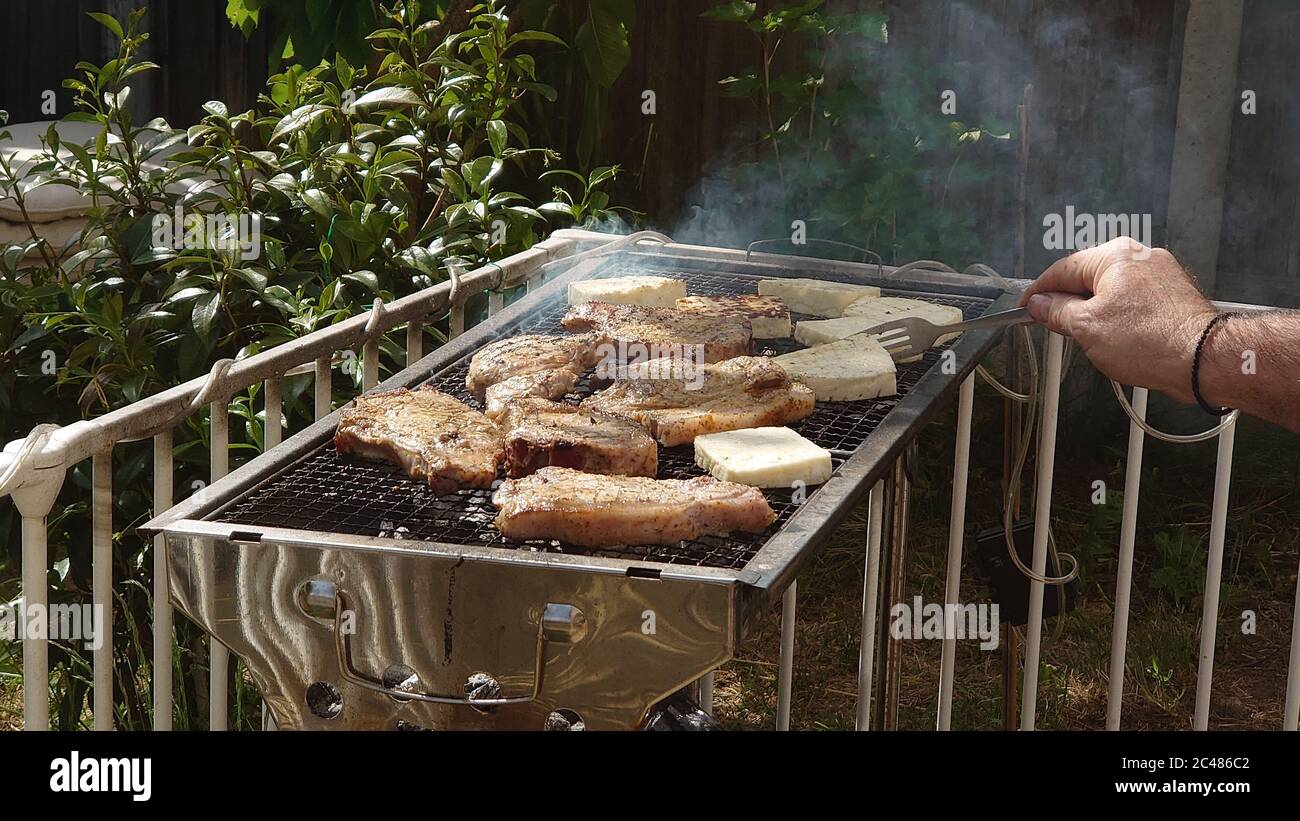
(357,598)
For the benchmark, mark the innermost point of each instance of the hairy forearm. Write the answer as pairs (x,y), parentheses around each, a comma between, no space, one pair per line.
(1252,362)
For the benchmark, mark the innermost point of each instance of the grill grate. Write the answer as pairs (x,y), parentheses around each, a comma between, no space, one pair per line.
(327,493)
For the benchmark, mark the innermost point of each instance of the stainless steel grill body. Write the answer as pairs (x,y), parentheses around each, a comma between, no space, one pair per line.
(427,583)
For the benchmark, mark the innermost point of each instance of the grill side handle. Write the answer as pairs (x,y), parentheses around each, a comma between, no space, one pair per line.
(559,622)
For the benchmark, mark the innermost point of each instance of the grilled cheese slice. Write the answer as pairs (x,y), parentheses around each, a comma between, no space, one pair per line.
(763,457)
(816,297)
(868,313)
(844,371)
(651,291)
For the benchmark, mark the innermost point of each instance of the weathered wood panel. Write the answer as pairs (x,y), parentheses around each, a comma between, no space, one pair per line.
(202,58)
(1259,255)
(1105,77)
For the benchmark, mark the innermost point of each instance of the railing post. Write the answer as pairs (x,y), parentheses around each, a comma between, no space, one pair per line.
(34,503)
(899,490)
(1124,573)
(101,587)
(1042,521)
(218,655)
(456,320)
(956,533)
(370,364)
(1213,576)
(273,429)
(870,586)
(785,676)
(414,342)
(323,387)
(1291,712)
(162,606)
(272,434)
(706,693)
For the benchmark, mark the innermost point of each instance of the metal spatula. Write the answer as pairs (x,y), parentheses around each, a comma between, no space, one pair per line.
(911,336)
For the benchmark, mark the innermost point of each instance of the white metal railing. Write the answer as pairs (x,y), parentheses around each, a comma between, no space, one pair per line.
(1124,572)
(1225,433)
(1042,524)
(32,472)
(956,536)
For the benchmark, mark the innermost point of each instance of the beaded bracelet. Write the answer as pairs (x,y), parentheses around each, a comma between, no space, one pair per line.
(1196,366)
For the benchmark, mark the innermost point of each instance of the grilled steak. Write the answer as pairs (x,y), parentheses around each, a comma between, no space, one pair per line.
(543,385)
(768,315)
(676,404)
(431,435)
(528,354)
(643,333)
(601,511)
(540,433)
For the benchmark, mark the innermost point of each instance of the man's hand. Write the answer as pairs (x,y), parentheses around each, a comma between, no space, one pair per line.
(1134,311)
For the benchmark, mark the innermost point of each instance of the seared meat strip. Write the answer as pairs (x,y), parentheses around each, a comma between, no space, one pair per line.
(676,404)
(540,433)
(433,436)
(644,333)
(768,315)
(527,354)
(602,511)
(542,385)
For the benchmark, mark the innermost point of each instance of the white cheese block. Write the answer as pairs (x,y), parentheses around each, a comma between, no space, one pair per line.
(844,371)
(763,457)
(651,291)
(816,296)
(887,307)
(867,313)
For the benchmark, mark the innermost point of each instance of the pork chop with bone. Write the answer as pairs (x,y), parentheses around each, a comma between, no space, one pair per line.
(550,361)
(644,333)
(539,434)
(600,511)
(434,437)
(677,403)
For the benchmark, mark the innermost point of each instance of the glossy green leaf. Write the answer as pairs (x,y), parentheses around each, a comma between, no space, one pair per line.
(391,96)
(299,119)
(205,310)
(603,43)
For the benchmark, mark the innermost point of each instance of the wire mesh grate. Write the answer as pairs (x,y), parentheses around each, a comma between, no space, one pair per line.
(326,492)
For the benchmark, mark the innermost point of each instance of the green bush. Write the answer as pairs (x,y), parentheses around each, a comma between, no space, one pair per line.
(363,182)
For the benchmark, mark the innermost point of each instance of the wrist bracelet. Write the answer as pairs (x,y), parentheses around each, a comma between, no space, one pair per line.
(1196,366)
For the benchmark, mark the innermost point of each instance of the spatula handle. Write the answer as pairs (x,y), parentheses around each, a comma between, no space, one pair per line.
(1016,316)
